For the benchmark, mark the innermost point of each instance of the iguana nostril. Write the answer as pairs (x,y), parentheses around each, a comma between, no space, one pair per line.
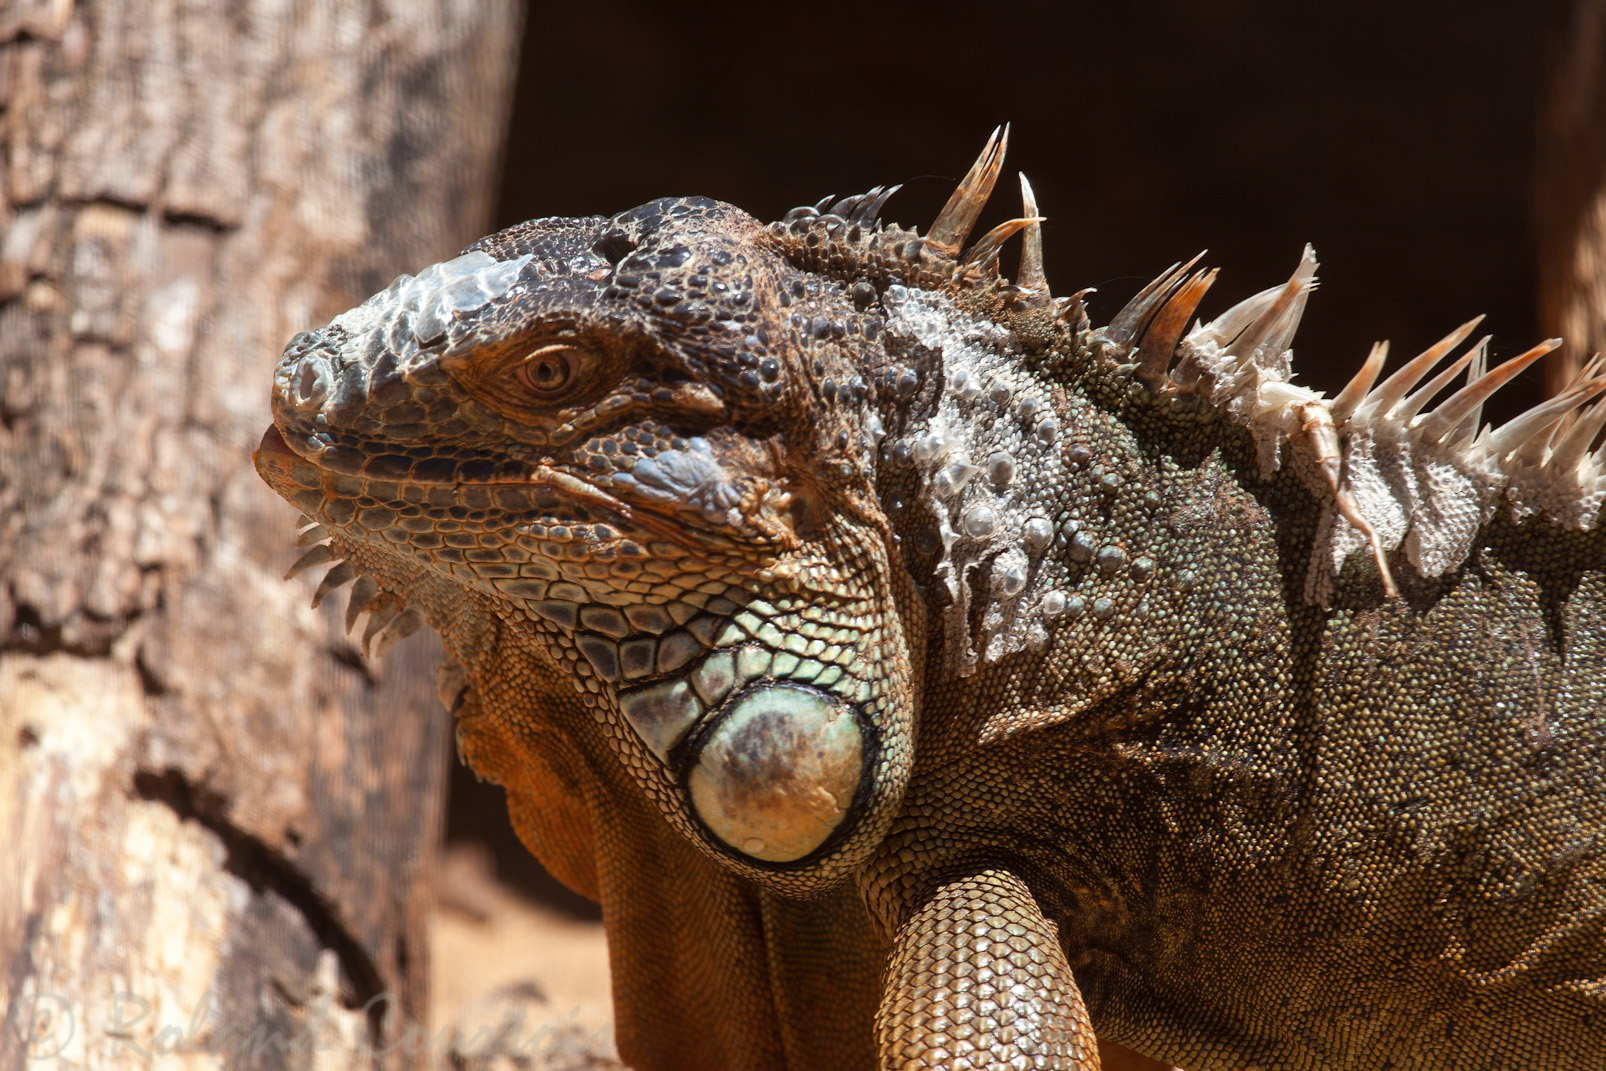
(779,773)
(311,386)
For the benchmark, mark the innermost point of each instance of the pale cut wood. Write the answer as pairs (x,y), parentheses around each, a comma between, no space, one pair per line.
(217,822)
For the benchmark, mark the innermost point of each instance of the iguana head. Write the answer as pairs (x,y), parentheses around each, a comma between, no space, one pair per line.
(646,448)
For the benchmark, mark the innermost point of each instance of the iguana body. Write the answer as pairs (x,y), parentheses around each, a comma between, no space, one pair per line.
(917,675)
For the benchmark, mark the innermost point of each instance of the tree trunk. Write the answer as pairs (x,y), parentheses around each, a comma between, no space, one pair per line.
(1570,192)
(216,821)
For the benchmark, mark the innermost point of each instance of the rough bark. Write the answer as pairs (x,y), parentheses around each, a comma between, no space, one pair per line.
(216,821)
(1570,191)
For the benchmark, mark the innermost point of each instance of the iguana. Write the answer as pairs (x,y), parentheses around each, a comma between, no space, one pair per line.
(922,677)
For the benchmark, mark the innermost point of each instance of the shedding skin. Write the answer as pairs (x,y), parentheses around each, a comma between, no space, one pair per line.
(1320,438)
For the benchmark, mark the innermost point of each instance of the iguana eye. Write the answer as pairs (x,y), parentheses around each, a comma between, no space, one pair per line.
(551,371)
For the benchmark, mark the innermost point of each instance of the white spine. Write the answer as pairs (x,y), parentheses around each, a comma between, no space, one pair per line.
(1424,481)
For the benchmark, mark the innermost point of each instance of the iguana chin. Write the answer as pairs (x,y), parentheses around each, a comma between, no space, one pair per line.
(921,677)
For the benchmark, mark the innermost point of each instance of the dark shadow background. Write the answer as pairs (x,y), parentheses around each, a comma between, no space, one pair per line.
(1396,137)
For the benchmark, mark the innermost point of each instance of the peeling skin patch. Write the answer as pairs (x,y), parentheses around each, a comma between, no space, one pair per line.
(691,478)
(424,307)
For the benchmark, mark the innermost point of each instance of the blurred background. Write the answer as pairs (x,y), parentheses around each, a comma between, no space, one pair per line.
(1397,137)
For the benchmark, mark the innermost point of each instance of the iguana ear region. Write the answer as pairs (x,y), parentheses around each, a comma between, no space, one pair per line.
(777,767)
(778,774)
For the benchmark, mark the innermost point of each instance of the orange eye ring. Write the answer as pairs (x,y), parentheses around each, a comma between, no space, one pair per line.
(550,371)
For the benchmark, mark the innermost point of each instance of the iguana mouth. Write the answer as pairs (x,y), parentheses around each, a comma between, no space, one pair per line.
(390,618)
(546,494)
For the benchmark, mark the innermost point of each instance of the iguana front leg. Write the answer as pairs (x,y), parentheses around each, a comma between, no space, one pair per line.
(977,979)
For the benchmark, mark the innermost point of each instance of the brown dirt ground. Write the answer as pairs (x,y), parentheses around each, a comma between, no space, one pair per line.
(495,953)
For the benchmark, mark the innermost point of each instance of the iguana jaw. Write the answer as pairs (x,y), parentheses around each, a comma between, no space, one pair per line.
(535,497)
(757,737)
